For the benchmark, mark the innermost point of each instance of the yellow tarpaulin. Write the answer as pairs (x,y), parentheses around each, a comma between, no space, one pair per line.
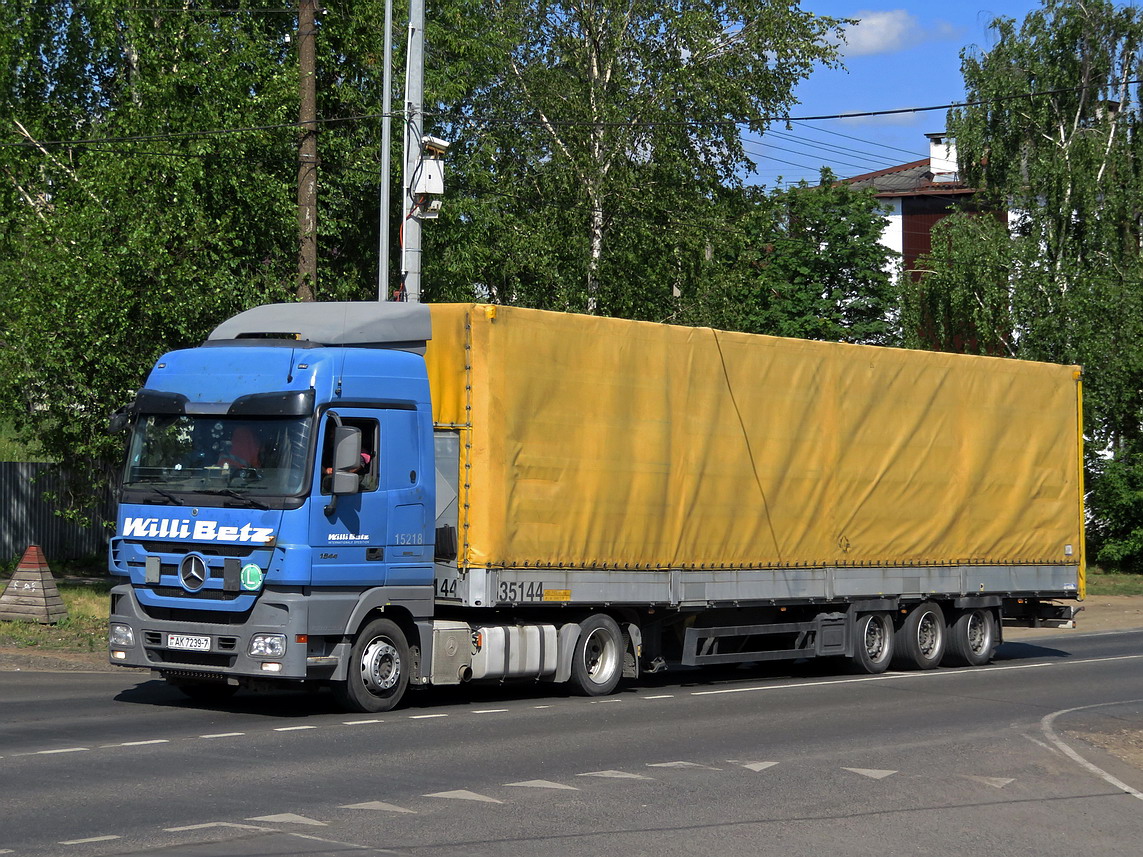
(602,442)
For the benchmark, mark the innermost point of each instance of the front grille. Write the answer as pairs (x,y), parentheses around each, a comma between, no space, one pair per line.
(200,595)
(194,659)
(180,548)
(189,614)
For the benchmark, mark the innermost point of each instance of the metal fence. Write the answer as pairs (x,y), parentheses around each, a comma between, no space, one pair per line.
(27,518)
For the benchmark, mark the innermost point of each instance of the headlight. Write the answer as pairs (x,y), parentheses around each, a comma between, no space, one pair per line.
(267,646)
(120,635)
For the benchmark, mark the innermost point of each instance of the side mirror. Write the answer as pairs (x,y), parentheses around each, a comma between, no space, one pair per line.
(121,419)
(346,457)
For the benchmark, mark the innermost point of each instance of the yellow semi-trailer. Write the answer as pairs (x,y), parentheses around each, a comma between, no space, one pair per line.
(610,496)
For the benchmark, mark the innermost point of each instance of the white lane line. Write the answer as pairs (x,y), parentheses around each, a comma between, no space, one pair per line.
(425,716)
(141,743)
(884,677)
(89,839)
(541,706)
(288,818)
(378,805)
(491,711)
(224,735)
(292,728)
(614,775)
(660,696)
(465,794)
(55,752)
(681,765)
(1050,734)
(360,722)
(211,824)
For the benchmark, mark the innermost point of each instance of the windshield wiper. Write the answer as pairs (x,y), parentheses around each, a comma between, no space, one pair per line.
(173,498)
(230,492)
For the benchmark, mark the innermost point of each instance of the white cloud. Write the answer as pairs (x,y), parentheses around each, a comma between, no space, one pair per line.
(891,31)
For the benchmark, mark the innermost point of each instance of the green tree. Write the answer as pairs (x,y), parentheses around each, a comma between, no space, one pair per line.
(1054,132)
(804,262)
(604,116)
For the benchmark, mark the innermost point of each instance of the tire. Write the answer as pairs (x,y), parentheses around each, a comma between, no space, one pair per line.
(378,669)
(201,691)
(873,643)
(920,641)
(597,663)
(972,638)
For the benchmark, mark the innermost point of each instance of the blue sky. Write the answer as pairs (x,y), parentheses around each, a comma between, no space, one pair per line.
(901,54)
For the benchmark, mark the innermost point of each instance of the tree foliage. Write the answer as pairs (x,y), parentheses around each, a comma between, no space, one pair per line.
(1054,132)
(148,164)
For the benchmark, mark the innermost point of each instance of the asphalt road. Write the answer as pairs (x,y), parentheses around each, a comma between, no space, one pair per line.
(778,761)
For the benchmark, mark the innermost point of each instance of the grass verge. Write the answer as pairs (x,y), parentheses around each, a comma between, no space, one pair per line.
(1103,583)
(84,629)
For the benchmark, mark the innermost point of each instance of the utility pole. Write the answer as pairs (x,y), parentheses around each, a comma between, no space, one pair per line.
(307,153)
(386,145)
(414,130)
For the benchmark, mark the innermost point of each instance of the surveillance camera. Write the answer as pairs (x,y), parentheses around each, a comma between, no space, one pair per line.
(434,144)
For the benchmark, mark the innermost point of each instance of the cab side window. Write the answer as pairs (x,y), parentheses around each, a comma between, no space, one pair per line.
(370,445)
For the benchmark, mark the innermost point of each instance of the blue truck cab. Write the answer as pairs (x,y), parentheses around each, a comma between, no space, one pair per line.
(277,506)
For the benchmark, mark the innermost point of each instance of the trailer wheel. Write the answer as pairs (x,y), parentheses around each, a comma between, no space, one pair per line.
(972,638)
(920,641)
(873,643)
(597,664)
(378,669)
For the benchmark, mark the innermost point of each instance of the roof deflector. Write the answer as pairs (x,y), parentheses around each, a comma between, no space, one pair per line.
(402,326)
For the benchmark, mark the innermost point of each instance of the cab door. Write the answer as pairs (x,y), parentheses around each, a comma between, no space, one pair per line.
(349,532)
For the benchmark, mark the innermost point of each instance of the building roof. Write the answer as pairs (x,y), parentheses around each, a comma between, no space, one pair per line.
(912,179)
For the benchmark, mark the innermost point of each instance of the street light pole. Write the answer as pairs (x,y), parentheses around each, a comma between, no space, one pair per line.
(386,144)
(414,129)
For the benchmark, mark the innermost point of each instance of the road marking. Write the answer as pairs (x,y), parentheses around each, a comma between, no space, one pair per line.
(660,696)
(141,743)
(614,775)
(995,782)
(754,766)
(224,735)
(541,784)
(425,716)
(1050,734)
(491,711)
(288,818)
(541,706)
(89,839)
(360,722)
(211,824)
(681,765)
(883,677)
(292,728)
(603,701)
(464,794)
(872,773)
(55,752)
(376,804)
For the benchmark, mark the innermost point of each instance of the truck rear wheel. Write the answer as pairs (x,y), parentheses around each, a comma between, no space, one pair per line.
(597,664)
(920,641)
(873,643)
(378,669)
(972,638)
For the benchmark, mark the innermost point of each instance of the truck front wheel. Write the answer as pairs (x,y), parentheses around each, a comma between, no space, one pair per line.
(378,669)
(597,664)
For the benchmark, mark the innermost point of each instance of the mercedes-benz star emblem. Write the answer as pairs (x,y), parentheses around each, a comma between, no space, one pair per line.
(192,572)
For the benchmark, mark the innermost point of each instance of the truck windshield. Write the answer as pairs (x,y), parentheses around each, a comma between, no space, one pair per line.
(253,457)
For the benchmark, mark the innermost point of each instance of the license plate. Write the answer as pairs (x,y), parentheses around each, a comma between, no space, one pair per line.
(194,644)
